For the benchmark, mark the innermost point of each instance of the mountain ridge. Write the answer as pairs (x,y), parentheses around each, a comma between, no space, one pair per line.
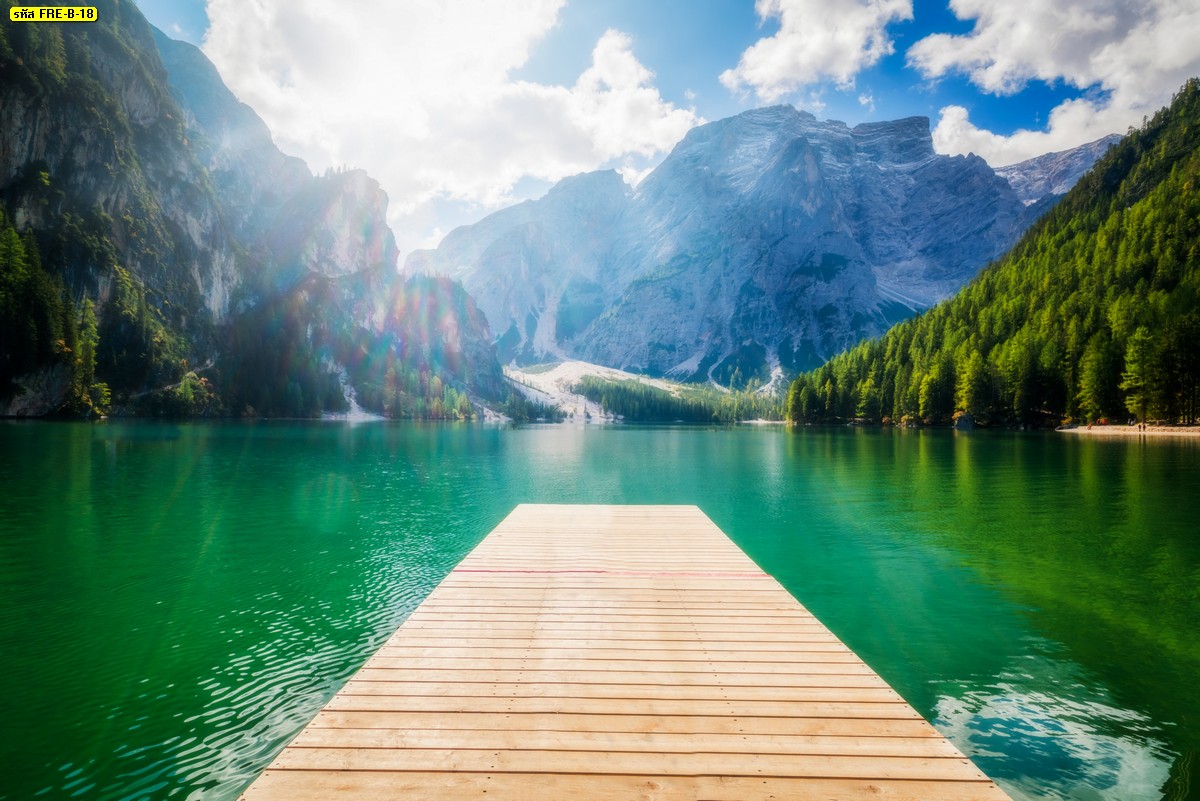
(768,240)
(1053,174)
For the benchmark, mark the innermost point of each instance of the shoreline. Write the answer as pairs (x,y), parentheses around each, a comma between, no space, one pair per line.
(1132,431)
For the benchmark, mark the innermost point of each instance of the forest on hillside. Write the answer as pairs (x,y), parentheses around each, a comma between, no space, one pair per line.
(42,327)
(692,403)
(1095,313)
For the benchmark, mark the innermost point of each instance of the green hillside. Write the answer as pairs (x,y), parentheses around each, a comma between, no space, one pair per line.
(1093,314)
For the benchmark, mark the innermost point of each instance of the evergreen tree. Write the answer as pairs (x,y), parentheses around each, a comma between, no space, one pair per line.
(89,339)
(869,399)
(1097,380)
(972,385)
(1136,381)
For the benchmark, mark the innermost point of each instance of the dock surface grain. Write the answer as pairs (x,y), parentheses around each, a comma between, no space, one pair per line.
(582,653)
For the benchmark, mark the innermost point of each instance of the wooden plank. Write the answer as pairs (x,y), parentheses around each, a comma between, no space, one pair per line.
(665,632)
(627,582)
(522,760)
(532,649)
(563,594)
(411,645)
(659,604)
(633,676)
(624,706)
(593,614)
(520,678)
(648,742)
(732,617)
(368,682)
(612,653)
(385,786)
(641,723)
(564,665)
(677,663)
(679,625)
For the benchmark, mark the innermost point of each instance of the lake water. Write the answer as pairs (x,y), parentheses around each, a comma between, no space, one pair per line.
(177,600)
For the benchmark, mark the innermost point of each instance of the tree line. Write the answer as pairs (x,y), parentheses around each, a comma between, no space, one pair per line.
(640,402)
(124,357)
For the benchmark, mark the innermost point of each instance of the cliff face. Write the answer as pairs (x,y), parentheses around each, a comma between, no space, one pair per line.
(541,270)
(88,132)
(152,191)
(765,240)
(290,223)
(252,178)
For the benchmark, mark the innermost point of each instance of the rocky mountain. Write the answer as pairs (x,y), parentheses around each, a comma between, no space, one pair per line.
(1053,174)
(219,274)
(764,241)
(543,268)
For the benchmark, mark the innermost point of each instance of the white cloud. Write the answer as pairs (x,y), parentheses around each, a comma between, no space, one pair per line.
(1130,56)
(817,41)
(867,101)
(421,95)
(1072,123)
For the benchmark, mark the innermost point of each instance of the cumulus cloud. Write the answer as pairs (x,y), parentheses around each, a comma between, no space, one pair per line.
(817,41)
(1128,57)
(421,95)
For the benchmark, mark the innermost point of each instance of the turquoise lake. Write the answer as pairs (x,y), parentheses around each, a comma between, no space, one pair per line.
(178,599)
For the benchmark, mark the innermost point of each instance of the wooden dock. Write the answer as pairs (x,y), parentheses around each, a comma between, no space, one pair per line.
(587,653)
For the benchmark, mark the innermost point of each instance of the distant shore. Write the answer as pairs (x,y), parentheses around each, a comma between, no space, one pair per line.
(1132,431)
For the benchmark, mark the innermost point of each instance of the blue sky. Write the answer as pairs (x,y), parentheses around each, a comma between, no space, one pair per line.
(459,107)
(689,44)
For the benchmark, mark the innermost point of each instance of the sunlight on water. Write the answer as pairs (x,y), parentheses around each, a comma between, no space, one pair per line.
(1070,743)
